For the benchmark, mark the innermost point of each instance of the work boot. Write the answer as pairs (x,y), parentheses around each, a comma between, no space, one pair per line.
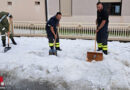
(99,49)
(105,52)
(13,41)
(58,49)
(4,43)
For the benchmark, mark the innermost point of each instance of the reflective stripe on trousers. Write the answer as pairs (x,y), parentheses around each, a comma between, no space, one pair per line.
(99,45)
(57,44)
(105,48)
(51,44)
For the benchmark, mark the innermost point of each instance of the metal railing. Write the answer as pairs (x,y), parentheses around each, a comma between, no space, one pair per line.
(117,31)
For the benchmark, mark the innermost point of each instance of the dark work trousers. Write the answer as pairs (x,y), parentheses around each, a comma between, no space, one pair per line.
(51,39)
(102,38)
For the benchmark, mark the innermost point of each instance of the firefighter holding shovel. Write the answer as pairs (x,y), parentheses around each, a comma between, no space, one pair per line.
(102,28)
(101,34)
(52,33)
(4,27)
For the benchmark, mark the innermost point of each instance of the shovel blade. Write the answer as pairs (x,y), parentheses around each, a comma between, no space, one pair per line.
(53,52)
(7,49)
(97,56)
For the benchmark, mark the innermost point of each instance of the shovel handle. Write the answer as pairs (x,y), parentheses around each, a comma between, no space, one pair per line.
(56,35)
(95,41)
(12,26)
(9,32)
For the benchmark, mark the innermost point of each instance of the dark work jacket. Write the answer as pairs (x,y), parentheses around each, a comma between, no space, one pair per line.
(4,22)
(52,22)
(102,15)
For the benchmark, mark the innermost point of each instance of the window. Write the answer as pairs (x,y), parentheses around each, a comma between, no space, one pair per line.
(66,7)
(9,3)
(37,2)
(113,6)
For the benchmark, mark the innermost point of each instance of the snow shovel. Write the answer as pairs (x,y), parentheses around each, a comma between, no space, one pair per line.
(8,47)
(97,56)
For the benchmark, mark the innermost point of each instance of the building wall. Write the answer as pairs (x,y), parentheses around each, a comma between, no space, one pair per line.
(53,7)
(85,11)
(25,10)
(84,7)
(82,11)
(125,7)
(79,7)
(125,11)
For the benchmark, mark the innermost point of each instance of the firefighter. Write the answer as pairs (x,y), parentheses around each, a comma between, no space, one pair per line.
(102,28)
(52,31)
(4,27)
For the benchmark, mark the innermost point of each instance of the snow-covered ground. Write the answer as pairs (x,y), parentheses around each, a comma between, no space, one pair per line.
(29,60)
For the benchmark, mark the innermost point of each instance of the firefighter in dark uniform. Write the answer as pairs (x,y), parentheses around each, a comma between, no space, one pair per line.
(52,31)
(4,27)
(102,28)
